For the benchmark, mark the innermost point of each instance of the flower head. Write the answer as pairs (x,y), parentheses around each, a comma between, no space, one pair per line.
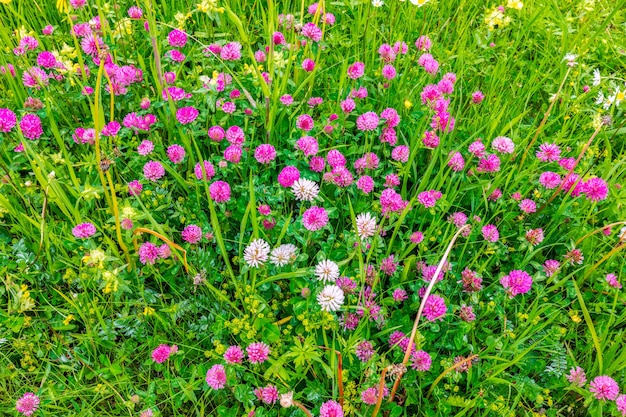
(516,282)
(256,253)
(216,377)
(327,271)
(604,388)
(314,218)
(331,298)
(84,230)
(27,404)
(258,352)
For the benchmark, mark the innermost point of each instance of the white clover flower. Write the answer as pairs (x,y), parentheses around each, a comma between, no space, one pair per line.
(331,298)
(365,225)
(256,253)
(283,255)
(305,190)
(327,271)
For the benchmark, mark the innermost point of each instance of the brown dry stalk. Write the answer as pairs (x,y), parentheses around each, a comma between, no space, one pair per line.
(339,372)
(407,354)
(450,369)
(381,391)
(303,408)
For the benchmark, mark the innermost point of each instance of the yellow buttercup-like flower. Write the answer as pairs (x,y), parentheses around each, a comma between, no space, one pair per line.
(5,1)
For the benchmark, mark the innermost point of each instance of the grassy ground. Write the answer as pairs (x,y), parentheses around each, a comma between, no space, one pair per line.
(80,317)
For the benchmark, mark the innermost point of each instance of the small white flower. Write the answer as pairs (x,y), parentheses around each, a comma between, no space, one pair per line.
(305,190)
(331,298)
(596,77)
(571,59)
(600,98)
(419,3)
(622,234)
(365,225)
(256,253)
(327,271)
(283,255)
(377,3)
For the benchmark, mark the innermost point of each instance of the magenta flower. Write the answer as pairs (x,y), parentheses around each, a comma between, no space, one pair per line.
(265,153)
(612,280)
(217,133)
(308,65)
(216,377)
(304,122)
(364,351)
(490,163)
(27,404)
(153,171)
(311,31)
(258,352)
(31,126)
(490,233)
(421,361)
(549,180)
(134,188)
(595,189)
(516,282)
(234,354)
(331,409)
(550,267)
(620,402)
(232,154)
(192,234)
(548,152)
(162,353)
(365,184)
(314,218)
(466,313)
(428,198)
(400,153)
(231,51)
(269,394)
(416,237)
(148,253)
(205,171)
(477,97)
(219,191)
(186,115)
(135,12)
(145,148)
(604,388)
(356,70)
(389,72)
(84,230)
(423,43)
(176,153)
(503,145)
(528,206)
(177,38)
(434,308)
(288,175)
(8,120)
(367,121)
